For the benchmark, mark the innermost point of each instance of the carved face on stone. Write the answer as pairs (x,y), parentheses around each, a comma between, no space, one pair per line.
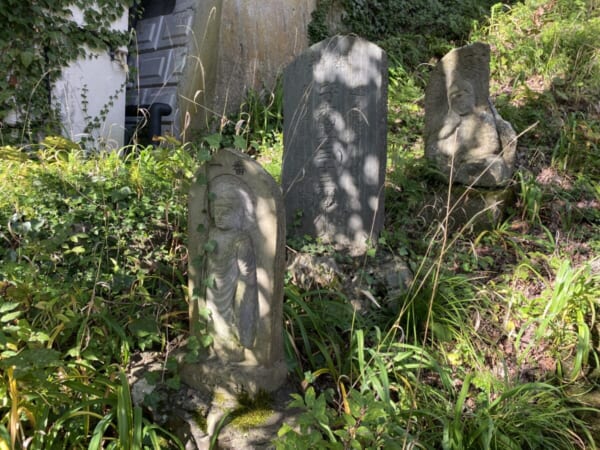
(231,208)
(226,213)
(461,98)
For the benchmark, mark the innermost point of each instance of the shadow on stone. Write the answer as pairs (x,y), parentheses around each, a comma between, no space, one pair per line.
(335,131)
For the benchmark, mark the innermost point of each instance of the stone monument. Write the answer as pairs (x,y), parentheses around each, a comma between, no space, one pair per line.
(236,265)
(465,137)
(335,126)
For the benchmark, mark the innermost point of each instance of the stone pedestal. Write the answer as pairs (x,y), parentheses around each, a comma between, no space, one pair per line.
(471,209)
(235,378)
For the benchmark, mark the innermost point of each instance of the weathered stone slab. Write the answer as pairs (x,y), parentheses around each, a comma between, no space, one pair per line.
(236,265)
(467,209)
(465,137)
(335,127)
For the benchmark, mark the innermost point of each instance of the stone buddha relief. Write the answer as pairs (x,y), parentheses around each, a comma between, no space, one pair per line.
(236,264)
(465,137)
(231,291)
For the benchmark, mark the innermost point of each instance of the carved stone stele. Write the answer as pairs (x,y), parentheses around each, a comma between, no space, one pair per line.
(236,267)
(465,137)
(335,142)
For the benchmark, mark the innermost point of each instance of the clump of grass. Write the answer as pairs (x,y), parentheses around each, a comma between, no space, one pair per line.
(524,416)
(546,72)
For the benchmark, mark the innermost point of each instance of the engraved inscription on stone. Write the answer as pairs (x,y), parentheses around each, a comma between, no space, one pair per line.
(335,106)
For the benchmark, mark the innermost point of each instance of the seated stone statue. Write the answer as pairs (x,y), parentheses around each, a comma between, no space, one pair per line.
(465,136)
(231,291)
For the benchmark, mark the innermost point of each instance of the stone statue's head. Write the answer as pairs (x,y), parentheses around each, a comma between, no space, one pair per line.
(231,206)
(461,97)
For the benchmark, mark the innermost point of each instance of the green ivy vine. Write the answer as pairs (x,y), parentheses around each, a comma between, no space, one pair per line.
(397,25)
(37,40)
(319,28)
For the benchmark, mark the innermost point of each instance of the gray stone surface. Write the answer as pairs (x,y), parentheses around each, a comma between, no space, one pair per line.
(202,57)
(198,415)
(236,264)
(471,209)
(165,49)
(335,127)
(465,137)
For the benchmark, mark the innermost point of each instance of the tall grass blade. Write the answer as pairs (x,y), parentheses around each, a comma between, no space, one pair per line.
(98,435)
(125,413)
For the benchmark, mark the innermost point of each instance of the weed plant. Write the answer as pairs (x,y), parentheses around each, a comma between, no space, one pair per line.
(92,269)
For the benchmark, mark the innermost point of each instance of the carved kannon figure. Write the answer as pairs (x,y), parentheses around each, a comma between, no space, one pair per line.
(231,291)
(236,264)
(470,136)
(464,134)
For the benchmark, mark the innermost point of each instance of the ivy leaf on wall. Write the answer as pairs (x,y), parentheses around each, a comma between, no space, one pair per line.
(40,39)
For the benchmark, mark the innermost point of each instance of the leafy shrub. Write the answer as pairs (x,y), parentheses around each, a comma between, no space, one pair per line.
(399,25)
(92,261)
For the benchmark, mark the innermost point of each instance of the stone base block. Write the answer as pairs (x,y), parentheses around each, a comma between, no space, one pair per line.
(471,209)
(234,377)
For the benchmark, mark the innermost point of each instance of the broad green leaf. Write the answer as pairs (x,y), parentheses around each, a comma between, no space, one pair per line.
(100,431)
(206,340)
(8,306)
(10,316)
(210,246)
(77,250)
(214,140)
(27,58)
(239,142)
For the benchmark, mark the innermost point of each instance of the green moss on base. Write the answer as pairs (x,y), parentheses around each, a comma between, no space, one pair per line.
(252,411)
(200,419)
(248,419)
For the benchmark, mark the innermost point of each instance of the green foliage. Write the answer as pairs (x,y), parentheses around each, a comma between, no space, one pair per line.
(401,27)
(578,147)
(364,423)
(564,313)
(93,263)
(552,40)
(547,67)
(112,230)
(530,197)
(34,64)
(525,416)
(517,302)
(318,28)
(258,123)
(310,343)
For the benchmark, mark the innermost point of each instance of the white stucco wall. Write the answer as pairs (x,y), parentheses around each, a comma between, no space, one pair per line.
(94,87)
